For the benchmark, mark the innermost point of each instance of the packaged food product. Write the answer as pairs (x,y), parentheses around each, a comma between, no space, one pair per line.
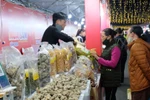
(73,52)
(43,66)
(59,59)
(15,70)
(81,50)
(81,70)
(85,60)
(31,71)
(67,54)
(53,66)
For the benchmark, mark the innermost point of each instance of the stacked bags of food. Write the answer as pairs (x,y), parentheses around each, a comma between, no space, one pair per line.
(44,66)
(15,70)
(31,71)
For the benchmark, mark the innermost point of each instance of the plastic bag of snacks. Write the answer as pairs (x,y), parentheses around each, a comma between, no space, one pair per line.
(31,71)
(29,50)
(15,70)
(73,51)
(67,54)
(59,59)
(43,66)
(53,66)
(82,70)
(85,60)
(81,50)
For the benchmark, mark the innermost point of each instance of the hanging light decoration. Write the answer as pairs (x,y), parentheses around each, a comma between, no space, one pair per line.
(129,12)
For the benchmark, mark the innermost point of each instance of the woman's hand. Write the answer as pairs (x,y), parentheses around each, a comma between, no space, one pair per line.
(93,53)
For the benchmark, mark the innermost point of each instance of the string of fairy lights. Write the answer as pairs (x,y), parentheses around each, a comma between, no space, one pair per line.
(129,12)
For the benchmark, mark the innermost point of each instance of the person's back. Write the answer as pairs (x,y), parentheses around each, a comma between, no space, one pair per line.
(147,33)
(49,36)
(122,42)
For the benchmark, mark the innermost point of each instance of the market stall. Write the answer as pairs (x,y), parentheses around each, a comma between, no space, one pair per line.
(63,72)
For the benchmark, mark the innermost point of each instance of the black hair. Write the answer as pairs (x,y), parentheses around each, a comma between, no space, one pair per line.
(138,31)
(79,31)
(149,26)
(109,31)
(119,30)
(59,15)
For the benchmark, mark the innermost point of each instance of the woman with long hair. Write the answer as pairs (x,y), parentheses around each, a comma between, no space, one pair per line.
(110,64)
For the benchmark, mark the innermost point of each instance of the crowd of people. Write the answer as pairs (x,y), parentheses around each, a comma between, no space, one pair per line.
(114,56)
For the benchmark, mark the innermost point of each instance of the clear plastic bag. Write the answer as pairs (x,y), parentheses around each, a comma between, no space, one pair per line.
(31,71)
(59,59)
(81,50)
(29,50)
(85,60)
(15,70)
(53,66)
(67,54)
(73,51)
(82,70)
(43,66)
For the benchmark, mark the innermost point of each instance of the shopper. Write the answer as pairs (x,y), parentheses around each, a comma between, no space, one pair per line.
(139,64)
(53,33)
(147,33)
(110,64)
(81,35)
(122,42)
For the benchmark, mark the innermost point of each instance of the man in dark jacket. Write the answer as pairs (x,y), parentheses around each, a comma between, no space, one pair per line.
(122,42)
(147,33)
(53,33)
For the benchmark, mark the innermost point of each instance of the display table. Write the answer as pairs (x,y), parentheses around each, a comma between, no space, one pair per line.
(7,91)
(85,95)
(95,91)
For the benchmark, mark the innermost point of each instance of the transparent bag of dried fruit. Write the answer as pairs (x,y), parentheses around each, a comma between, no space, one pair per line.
(15,70)
(73,51)
(53,66)
(59,59)
(67,55)
(31,71)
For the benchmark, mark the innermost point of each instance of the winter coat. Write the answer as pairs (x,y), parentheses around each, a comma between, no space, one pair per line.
(139,65)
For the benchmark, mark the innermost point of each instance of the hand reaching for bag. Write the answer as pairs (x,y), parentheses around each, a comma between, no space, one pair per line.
(94,54)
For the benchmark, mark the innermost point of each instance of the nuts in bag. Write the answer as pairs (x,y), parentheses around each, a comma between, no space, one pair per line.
(43,66)
(63,87)
(15,70)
